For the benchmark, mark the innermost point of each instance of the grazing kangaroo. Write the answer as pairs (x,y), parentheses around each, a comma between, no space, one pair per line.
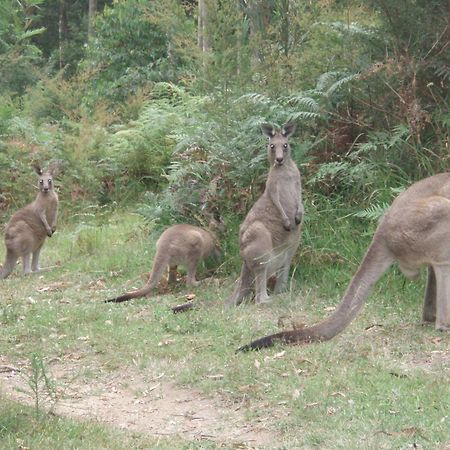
(27,229)
(415,232)
(180,244)
(270,233)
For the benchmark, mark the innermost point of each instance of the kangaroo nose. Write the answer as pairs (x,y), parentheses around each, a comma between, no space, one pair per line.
(279,159)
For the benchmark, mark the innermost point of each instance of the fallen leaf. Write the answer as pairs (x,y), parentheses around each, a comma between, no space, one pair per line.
(311,405)
(218,376)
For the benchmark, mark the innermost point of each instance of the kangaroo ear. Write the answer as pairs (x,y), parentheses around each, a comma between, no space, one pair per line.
(268,129)
(288,130)
(37,168)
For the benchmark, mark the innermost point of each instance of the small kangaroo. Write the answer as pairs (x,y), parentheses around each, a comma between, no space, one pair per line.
(270,233)
(27,229)
(180,244)
(414,232)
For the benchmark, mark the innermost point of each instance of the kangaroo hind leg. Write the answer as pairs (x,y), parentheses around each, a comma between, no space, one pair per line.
(191,271)
(172,274)
(26,262)
(442,297)
(35,260)
(243,287)
(429,303)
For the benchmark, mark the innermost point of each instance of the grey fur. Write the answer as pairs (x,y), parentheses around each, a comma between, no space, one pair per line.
(28,228)
(180,244)
(270,233)
(414,232)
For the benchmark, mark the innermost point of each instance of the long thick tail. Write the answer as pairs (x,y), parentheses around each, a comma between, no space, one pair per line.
(130,295)
(159,266)
(10,262)
(376,261)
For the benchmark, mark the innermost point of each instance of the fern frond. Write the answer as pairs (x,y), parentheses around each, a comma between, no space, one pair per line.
(373,212)
(336,86)
(301,99)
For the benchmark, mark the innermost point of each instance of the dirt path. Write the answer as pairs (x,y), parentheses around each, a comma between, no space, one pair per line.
(130,401)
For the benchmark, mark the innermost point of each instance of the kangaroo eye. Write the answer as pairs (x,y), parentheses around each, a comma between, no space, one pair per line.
(50,180)
(285,145)
(41,181)
(272,146)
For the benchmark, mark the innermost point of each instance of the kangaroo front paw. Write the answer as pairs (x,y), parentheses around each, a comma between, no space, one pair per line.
(287,224)
(298,218)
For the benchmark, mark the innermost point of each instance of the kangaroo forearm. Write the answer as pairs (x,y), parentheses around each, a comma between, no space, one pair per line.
(43,218)
(276,201)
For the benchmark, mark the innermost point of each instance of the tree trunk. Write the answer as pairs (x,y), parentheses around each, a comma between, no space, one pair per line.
(202,37)
(92,12)
(285,26)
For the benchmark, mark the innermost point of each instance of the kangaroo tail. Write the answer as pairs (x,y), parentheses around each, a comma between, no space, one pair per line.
(10,262)
(159,266)
(375,263)
(130,295)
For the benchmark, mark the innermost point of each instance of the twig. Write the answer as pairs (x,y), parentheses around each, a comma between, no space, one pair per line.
(9,369)
(183,307)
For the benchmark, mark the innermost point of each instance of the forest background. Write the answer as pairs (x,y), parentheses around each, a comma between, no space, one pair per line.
(156,105)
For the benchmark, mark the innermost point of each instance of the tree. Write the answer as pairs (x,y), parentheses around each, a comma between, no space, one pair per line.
(92,12)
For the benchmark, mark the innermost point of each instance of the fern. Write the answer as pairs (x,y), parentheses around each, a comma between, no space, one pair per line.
(337,85)
(373,212)
(301,99)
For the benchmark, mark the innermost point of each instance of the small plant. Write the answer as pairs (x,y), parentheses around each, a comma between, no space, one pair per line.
(42,386)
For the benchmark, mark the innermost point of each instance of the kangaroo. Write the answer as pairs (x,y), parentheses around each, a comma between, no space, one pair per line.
(27,229)
(180,244)
(414,232)
(270,233)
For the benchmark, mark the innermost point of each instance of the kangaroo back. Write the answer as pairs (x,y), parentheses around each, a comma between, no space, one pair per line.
(180,244)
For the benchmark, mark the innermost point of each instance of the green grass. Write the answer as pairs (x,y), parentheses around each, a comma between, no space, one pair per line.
(383,383)
(20,429)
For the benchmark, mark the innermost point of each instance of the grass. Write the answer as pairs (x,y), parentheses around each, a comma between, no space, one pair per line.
(20,429)
(383,383)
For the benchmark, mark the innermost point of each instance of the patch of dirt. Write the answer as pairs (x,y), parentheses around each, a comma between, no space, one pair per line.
(149,405)
(432,361)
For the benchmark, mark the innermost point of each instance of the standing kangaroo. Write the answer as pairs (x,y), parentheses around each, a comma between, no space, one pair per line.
(180,244)
(270,233)
(415,232)
(27,229)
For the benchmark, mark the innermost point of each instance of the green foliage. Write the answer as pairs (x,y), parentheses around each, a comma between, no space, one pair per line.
(129,50)
(42,388)
(18,56)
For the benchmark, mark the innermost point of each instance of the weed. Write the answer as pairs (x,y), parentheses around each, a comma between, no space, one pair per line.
(42,388)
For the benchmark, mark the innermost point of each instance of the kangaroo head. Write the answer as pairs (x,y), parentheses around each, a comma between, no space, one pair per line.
(278,148)
(45,181)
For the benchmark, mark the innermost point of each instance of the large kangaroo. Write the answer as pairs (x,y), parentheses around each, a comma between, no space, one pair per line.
(270,234)
(27,229)
(180,244)
(415,232)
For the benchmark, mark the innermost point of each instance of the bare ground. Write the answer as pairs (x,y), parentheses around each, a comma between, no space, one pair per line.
(130,400)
